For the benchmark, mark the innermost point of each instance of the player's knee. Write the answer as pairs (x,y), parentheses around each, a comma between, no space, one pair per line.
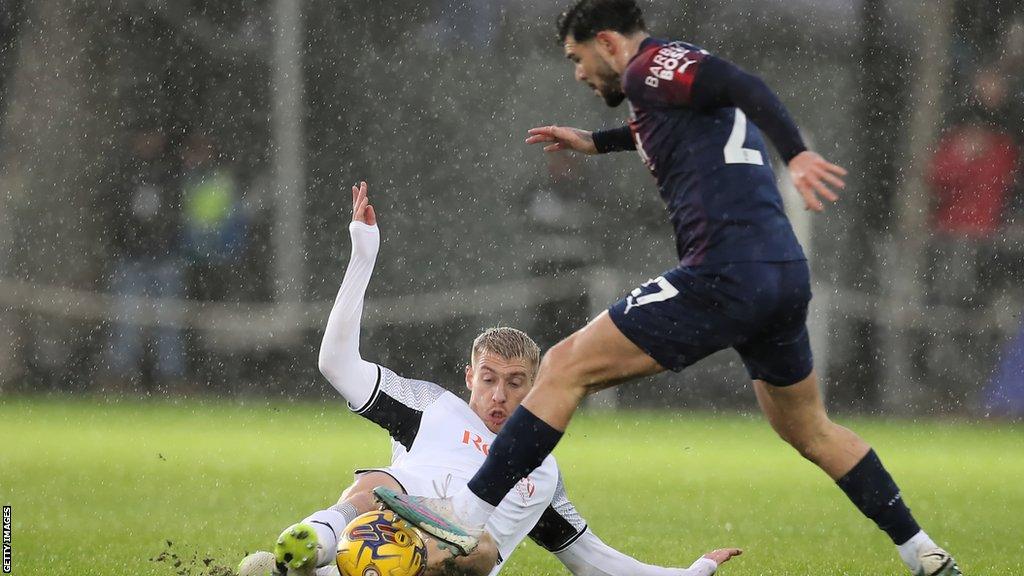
(561,361)
(558,356)
(357,486)
(359,496)
(360,493)
(363,502)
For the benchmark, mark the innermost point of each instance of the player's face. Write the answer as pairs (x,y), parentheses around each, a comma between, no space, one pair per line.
(497,386)
(593,69)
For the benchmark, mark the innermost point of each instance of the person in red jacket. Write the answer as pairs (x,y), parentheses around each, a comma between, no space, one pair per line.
(974,167)
(972,175)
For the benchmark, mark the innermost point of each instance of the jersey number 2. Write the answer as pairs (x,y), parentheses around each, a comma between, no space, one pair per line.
(735,153)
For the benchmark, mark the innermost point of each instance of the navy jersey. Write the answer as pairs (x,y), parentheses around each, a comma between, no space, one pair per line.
(711,165)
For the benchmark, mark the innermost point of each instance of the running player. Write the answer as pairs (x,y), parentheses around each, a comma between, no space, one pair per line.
(742,281)
(438,442)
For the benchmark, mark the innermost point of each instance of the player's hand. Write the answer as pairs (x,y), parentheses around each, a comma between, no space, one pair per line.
(560,138)
(812,175)
(361,209)
(723,555)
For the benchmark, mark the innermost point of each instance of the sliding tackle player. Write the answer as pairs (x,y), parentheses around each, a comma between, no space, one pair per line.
(438,442)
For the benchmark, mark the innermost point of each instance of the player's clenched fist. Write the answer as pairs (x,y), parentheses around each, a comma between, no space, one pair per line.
(562,138)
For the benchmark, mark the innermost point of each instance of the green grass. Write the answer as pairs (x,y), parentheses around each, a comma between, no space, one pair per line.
(97,488)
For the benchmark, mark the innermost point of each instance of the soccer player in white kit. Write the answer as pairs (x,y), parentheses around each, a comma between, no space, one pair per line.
(438,443)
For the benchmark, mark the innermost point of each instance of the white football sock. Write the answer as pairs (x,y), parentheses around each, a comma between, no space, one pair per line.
(471,509)
(335,518)
(911,549)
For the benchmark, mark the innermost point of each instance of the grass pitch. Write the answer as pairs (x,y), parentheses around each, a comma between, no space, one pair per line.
(99,488)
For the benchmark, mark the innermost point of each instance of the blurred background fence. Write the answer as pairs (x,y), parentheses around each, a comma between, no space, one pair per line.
(174,178)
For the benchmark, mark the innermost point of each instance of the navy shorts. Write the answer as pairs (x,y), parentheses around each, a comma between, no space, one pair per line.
(757,308)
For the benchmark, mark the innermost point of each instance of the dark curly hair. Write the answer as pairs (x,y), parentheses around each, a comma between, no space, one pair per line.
(588,17)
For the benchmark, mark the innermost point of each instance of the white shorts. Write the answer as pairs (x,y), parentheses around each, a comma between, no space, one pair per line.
(411,483)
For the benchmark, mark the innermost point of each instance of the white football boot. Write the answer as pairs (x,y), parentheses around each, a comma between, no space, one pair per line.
(258,564)
(937,562)
(265,564)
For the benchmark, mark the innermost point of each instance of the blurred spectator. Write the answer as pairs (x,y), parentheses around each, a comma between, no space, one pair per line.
(147,236)
(972,176)
(215,223)
(557,201)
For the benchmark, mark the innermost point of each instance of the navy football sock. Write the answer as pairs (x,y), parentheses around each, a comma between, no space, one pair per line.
(874,492)
(521,446)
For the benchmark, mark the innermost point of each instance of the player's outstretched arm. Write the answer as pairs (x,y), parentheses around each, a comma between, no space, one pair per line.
(558,138)
(589,556)
(339,359)
(562,531)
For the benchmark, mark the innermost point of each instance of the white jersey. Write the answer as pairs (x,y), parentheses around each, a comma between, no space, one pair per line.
(438,444)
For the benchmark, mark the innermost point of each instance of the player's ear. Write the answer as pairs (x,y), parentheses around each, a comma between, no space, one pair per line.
(469,376)
(605,41)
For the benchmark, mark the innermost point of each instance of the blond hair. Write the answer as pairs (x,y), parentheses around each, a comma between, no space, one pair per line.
(508,343)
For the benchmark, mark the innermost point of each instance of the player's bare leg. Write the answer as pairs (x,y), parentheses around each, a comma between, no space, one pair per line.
(360,493)
(440,560)
(593,358)
(305,546)
(798,415)
(323,528)
(596,357)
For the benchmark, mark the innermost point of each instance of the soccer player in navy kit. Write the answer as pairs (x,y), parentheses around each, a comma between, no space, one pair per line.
(742,281)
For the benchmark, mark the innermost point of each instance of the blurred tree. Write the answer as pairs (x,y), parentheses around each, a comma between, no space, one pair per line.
(58,135)
(882,77)
(11,18)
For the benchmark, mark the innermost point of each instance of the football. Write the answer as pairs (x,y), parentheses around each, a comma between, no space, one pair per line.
(380,543)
